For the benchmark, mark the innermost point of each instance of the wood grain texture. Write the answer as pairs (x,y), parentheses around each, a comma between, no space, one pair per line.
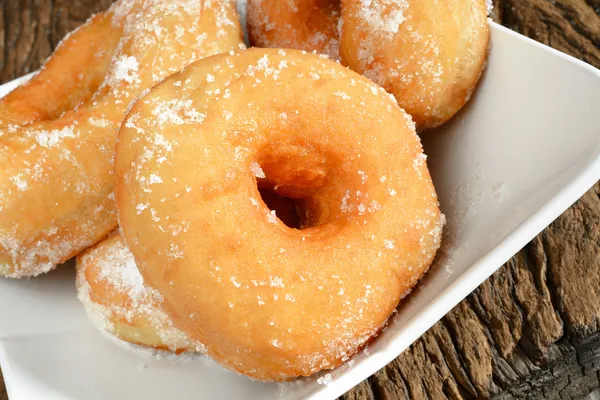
(530,331)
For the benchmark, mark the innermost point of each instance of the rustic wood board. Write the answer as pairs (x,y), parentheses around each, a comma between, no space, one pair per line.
(533,329)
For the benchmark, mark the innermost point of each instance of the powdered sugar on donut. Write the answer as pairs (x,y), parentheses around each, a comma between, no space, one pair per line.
(383,16)
(113,293)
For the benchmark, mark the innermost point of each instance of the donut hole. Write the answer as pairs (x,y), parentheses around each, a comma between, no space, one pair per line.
(292,176)
(289,211)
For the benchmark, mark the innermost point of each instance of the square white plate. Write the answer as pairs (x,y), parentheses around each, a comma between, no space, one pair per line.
(525,148)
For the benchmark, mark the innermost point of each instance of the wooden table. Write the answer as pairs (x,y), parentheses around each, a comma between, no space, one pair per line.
(533,329)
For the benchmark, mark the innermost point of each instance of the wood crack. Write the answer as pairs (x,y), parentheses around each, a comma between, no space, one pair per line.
(553,289)
(594,5)
(376,390)
(450,354)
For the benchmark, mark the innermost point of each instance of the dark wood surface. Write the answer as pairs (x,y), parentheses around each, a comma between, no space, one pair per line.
(533,329)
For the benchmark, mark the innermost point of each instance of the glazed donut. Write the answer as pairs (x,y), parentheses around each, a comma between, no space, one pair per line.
(69,77)
(267,300)
(117,302)
(309,25)
(56,177)
(428,54)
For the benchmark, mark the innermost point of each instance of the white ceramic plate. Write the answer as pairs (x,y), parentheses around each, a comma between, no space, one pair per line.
(525,148)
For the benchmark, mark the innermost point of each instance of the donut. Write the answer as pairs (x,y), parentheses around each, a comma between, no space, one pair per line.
(267,300)
(56,176)
(309,25)
(117,302)
(428,54)
(69,77)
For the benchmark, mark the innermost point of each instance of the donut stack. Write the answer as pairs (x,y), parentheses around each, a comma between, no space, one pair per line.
(273,204)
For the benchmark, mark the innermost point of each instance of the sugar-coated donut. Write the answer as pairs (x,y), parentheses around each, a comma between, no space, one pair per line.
(118,303)
(69,77)
(428,53)
(56,176)
(309,25)
(268,300)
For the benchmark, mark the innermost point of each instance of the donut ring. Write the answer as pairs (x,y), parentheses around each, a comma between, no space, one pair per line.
(69,77)
(56,177)
(117,302)
(309,25)
(428,54)
(267,300)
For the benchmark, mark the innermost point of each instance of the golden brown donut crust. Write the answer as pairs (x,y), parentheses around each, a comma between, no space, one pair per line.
(429,54)
(268,300)
(69,77)
(309,25)
(56,177)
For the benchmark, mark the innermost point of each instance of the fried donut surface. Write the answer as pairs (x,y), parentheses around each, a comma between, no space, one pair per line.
(428,53)
(309,25)
(69,77)
(56,177)
(268,300)
(117,302)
